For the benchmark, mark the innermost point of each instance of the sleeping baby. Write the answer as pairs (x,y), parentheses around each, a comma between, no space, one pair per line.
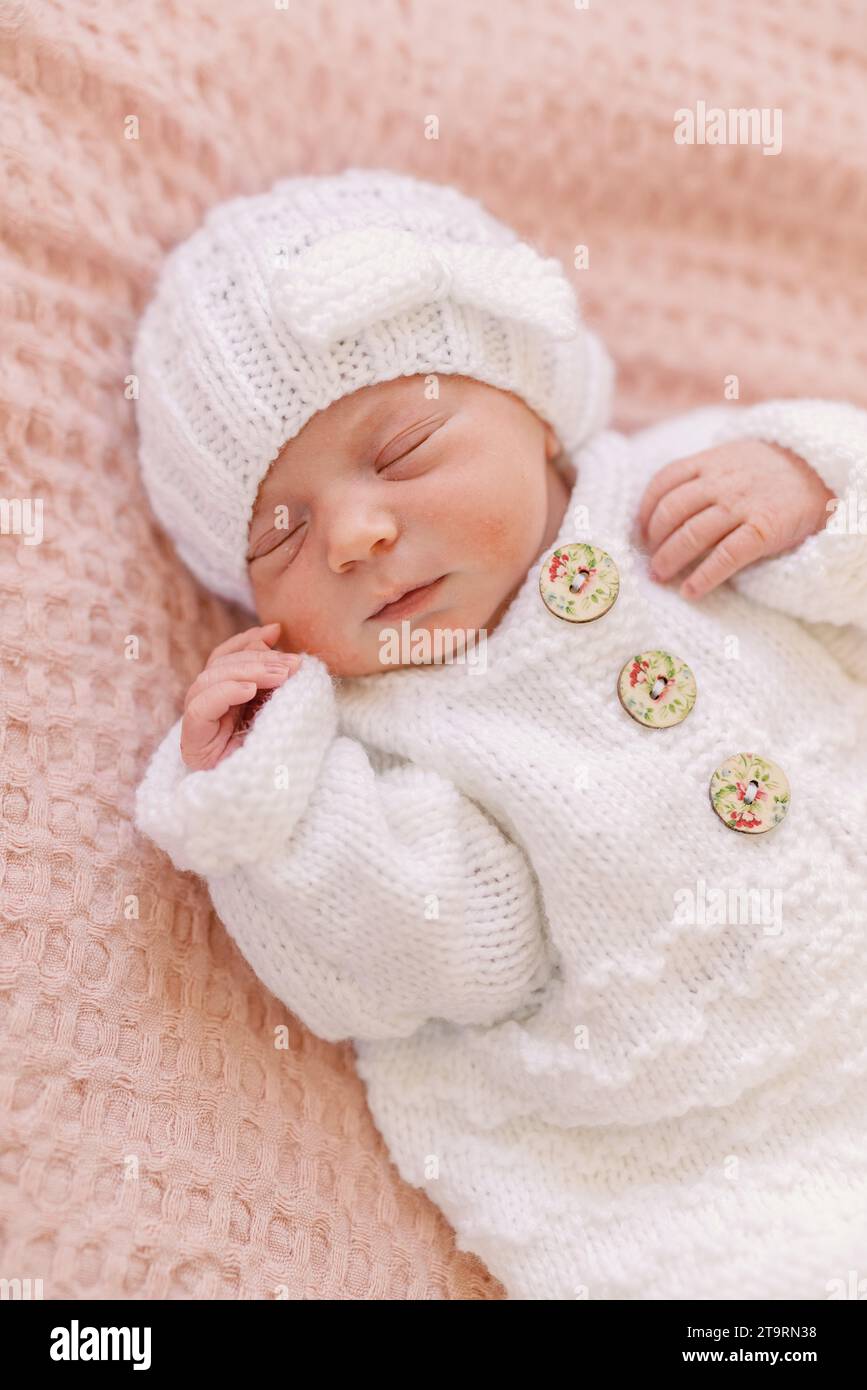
(542,774)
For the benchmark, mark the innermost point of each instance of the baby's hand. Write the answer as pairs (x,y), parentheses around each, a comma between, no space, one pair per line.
(234,673)
(745,499)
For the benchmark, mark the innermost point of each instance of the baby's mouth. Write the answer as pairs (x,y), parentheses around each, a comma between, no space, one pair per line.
(410,602)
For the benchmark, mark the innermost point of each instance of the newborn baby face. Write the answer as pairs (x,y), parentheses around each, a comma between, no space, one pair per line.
(387,490)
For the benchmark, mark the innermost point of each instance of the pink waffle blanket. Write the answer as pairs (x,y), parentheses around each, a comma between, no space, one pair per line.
(168,1129)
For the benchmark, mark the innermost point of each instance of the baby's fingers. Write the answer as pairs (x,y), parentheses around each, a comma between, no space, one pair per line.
(739,548)
(207,708)
(253,638)
(265,668)
(697,534)
(671,476)
(209,723)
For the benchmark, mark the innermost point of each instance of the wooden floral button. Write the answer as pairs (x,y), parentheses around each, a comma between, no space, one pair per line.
(656,689)
(749,793)
(579,582)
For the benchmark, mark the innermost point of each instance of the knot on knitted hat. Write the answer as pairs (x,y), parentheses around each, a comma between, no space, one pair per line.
(353,278)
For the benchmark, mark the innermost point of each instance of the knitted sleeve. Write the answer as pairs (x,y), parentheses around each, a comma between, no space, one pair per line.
(824,578)
(368,903)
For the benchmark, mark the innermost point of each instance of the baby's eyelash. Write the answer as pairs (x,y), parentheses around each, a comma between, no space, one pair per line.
(391,461)
(270,551)
(405,455)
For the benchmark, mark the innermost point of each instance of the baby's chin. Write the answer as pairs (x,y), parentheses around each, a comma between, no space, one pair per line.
(439,638)
(402,644)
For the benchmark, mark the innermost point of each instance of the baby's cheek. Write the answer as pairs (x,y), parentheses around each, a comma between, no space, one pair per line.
(492,533)
(325,635)
(508,543)
(493,538)
(307,631)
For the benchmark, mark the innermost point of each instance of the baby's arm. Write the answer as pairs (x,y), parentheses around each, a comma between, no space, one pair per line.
(824,577)
(368,903)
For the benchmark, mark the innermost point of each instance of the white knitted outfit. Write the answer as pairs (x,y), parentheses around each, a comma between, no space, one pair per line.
(710,1139)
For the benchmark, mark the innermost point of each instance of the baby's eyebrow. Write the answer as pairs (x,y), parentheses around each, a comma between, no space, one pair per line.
(384,415)
(376,413)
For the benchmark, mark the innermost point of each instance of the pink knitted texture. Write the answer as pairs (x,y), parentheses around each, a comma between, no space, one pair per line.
(156,1143)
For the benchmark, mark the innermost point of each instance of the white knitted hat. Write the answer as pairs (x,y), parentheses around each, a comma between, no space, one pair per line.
(283,302)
